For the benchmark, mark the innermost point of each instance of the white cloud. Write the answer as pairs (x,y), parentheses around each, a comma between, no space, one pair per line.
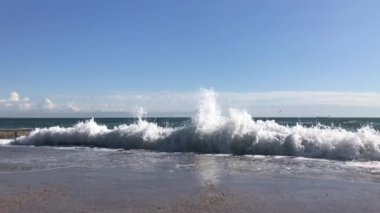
(48,104)
(14,102)
(26,106)
(289,103)
(72,107)
(306,98)
(259,104)
(14,96)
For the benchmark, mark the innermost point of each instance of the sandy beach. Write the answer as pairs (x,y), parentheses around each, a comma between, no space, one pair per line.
(99,180)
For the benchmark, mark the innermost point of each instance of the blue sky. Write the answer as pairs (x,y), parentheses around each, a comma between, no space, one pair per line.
(70,51)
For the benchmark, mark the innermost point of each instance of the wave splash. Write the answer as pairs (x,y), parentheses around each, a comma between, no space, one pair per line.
(211,132)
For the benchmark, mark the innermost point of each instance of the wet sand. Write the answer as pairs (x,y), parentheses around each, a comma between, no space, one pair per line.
(110,190)
(156,182)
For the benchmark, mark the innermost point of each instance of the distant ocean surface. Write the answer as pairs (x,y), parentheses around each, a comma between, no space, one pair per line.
(345,123)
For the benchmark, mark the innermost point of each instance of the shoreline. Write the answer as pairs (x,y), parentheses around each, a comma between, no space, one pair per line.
(120,190)
(45,179)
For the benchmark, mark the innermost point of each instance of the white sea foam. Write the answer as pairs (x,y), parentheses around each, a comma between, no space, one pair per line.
(212,132)
(5,141)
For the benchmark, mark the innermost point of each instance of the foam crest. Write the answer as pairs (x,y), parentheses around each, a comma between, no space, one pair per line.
(209,117)
(211,132)
(5,141)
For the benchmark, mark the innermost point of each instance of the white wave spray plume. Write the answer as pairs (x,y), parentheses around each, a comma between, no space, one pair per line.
(209,117)
(211,132)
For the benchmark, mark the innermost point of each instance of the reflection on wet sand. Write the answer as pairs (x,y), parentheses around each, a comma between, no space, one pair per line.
(208,170)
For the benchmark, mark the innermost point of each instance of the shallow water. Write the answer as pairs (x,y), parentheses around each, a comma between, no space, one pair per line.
(207,167)
(77,179)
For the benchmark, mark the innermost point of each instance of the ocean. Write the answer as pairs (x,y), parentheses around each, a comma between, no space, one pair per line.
(346,123)
(330,138)
(219,161)
(211,131)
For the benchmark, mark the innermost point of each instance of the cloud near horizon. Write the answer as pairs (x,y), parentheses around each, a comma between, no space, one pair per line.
(15,106)
(166,103)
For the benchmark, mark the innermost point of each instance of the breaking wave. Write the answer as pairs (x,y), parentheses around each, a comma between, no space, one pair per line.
(211,132)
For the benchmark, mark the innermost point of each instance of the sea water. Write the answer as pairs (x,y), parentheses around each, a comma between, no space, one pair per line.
(212,131)
(211,147)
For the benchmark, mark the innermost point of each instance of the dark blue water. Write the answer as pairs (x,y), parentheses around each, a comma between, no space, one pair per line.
(346,123)
(12,123)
